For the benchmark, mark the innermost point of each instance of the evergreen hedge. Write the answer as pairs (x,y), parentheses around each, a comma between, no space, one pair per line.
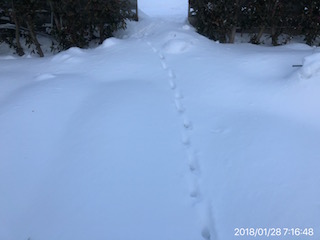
(219,20)
(71,23)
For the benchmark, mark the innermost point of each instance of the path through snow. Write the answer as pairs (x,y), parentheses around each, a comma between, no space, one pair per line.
(176,46)
(159,134)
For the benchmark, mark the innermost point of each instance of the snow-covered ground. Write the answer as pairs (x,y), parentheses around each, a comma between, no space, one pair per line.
(160,134)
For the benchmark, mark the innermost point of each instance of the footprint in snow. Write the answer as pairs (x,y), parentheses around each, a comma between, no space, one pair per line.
(179,106)
(205,233)
(164,65)
(161,56)
(172,84)
(194,194)
(171,73)
(185,139)
(194,168)
(187,123)
(194,191)
(178,95)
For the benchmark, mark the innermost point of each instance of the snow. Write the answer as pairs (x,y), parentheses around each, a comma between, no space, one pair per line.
(159,134)
(311,66)
(175,10)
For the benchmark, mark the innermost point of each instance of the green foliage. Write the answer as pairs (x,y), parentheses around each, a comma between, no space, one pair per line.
(73,25)
(75,22)
(105,17)
(310,20)
(218,19)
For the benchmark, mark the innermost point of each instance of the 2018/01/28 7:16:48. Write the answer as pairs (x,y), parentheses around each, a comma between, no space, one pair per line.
(273,232)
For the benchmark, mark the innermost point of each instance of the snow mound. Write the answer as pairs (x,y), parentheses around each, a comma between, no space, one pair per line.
(72,55)
(311,66)
(186,27)
(176,46)
(178,35)
(9,57)
(177,42)
(44,76)
(297,46)
(75,51)
(110,42)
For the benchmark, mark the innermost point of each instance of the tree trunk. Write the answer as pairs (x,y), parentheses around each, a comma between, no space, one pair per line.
(274,36)
(101,25)
(222,36)
(33,36)
(19,48)
(55,17)
(256,39)
(232,34)
(233,30)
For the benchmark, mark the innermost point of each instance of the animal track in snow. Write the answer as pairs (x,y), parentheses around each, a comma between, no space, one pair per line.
(187,124)
(205,233)
(179,106)
(185,139)
(178,95)
(194,193)
(186,128)
(193,163)
(161,56)
(172,84)
(164,65)
(171,74)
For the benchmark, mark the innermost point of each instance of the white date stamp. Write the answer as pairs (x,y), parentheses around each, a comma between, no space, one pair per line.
(273,232)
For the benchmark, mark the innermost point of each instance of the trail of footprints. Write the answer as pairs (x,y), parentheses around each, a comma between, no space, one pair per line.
(186,125)
(186,129)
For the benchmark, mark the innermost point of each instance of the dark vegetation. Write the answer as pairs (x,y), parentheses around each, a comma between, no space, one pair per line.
(69,23)
(221,19)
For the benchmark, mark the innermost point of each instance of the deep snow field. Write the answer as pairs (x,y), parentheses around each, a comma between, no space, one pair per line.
(160,134)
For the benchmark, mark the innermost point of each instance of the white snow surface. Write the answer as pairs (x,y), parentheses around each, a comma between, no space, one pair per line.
(160,134)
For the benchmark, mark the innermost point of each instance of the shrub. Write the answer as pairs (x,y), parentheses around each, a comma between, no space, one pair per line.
(75,22)
(219,19)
